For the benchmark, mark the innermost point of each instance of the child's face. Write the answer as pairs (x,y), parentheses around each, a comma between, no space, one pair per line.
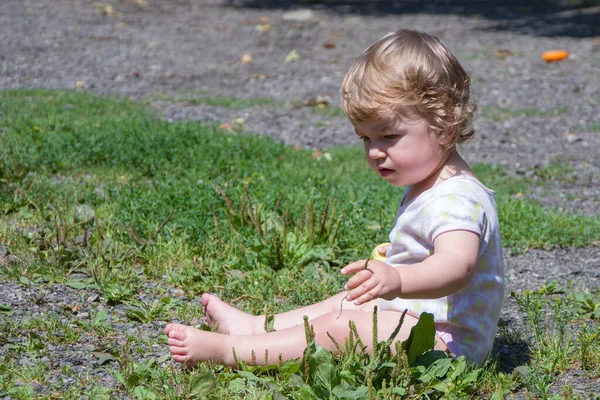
(401,150)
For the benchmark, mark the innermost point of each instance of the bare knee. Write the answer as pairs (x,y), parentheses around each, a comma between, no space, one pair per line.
(332,328)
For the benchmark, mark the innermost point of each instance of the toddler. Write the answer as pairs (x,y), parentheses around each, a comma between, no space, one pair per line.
(407,97)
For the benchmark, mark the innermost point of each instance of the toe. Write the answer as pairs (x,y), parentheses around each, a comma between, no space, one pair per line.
(175,342)
(177,350)
(177,331)
(179,358)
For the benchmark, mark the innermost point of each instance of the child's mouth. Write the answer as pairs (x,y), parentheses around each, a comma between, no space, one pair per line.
(385,172)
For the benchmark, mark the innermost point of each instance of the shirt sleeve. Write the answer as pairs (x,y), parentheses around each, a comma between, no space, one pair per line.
(459,209)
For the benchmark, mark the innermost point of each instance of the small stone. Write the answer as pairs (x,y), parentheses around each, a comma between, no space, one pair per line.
(93,298)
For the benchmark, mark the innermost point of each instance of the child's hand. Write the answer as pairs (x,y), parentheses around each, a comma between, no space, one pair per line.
(378,280)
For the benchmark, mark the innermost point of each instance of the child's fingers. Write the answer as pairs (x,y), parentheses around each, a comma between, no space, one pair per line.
(354,267)
(357,280)
(382,249)
(362,292)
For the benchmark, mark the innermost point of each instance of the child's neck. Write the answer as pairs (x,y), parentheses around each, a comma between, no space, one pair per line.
(453,165)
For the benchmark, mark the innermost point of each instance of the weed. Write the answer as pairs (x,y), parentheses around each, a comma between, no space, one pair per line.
(587,305)
(143,312)
(499,113)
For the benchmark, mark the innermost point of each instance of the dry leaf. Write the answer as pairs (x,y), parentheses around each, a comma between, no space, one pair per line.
(292,56)
(264,27)
(319,101)
(140,3)
(329,45)
(317,154)
(264,19)
(226,126)
(247,58)
(259,76)
(503,53)
(105,9)
(572,137)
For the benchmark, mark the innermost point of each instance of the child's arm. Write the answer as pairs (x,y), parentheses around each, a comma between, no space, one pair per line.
(446,271)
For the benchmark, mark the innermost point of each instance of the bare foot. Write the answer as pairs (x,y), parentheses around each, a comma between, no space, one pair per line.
(231,321)
(190,345)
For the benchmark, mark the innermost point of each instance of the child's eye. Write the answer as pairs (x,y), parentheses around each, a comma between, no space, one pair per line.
(391,137)
(364,138)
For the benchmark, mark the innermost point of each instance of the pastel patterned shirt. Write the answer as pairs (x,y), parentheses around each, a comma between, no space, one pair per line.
(466,320)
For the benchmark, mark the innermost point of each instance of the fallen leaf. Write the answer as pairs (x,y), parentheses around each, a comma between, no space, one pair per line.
(317,154)
(503,53)
(292,56)
(259,76)
(264,19)
(329,45)
(226,126)
(319,101)
(247,58)
(572,137)
(264,27)
(105,9)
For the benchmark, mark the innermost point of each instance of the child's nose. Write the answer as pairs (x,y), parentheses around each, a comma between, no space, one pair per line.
(375,152)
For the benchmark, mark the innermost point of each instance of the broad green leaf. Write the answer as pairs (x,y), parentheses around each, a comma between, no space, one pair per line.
(202,385)
(323,370)
(76,284)
(351,392)
(143,393)
(429,357)
(421,338)
(459,367)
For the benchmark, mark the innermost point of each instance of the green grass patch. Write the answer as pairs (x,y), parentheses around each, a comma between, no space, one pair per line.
(501,113)
(231,102)
(97,195)
(593,126)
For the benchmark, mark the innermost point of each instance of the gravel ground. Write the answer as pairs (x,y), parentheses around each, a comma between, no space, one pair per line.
(153,50)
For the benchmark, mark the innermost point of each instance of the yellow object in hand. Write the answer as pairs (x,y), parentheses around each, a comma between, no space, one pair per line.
(376,255)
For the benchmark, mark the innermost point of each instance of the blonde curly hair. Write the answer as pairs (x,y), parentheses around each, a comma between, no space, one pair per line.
(410,70)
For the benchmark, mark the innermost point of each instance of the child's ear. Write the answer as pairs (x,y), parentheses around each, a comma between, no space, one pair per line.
(447,136)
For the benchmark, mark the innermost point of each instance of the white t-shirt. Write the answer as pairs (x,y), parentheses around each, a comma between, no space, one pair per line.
(466,320)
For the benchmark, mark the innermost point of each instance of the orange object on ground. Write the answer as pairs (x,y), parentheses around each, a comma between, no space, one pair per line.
(555,55)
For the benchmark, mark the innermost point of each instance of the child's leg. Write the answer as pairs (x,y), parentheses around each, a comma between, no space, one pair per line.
(235,322)
(191,345)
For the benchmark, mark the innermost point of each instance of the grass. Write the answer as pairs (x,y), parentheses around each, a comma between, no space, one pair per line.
(501,113)
(230,102)
(96,196)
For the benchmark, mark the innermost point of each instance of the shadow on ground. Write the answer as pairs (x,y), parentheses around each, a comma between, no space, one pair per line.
(510,349)
(551,18)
